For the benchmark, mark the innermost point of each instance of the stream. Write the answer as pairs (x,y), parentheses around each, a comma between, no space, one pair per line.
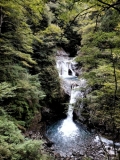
(67,135)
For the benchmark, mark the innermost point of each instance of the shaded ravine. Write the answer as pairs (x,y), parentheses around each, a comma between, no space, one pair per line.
(67,135)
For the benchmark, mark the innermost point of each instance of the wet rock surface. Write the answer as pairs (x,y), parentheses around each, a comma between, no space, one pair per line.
(91,152)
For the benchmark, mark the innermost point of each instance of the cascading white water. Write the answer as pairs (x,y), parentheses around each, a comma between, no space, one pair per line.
(64,66)
(66,134)
(68,127)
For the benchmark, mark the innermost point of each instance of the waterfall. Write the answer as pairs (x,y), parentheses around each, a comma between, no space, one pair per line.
(69,78)
(69,136)
(66,134)
(65,68)
(68,127)
(71,84)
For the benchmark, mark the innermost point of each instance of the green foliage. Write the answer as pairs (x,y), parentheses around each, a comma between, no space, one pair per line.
(20,91)
(109,21)
(13,145)
(30,33)
(99,59)
(28,150)
(50,36)
(16,34)
(45,45)
(50,83)
(48,74)
(66,13)
(6,90)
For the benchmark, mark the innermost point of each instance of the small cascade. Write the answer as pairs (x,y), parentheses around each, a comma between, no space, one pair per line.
(65,68)
(66,72)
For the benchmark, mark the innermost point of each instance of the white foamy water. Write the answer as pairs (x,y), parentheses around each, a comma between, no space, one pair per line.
(68,136)
(68,128)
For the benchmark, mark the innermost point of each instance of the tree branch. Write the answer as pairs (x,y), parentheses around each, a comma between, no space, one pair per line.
(80,14)
(111,5)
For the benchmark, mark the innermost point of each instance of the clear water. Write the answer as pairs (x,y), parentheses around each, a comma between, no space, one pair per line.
(68,136)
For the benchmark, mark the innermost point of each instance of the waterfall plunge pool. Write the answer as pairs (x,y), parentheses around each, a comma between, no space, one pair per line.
(68,136)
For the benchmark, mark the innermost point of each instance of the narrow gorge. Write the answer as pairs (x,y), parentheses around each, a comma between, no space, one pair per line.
(71,137)
(67,135)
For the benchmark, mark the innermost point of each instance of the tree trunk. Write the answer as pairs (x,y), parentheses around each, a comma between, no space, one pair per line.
(1,18)
(114,99)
